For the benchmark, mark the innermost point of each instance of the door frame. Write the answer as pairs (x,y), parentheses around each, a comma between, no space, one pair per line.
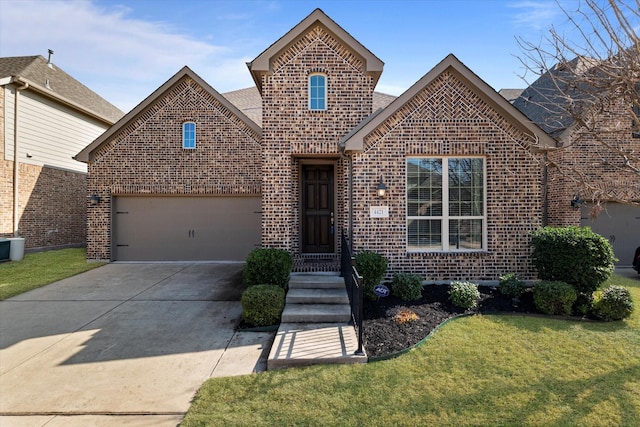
(317,162)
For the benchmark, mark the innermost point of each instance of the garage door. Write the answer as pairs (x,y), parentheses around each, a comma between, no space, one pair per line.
(621,225)
(185,228)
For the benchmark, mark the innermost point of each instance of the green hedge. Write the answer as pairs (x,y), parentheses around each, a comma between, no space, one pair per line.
(407,286)
(554,297)
(575,255)
(614,303)
(267,266)
(372,266)
(262,305)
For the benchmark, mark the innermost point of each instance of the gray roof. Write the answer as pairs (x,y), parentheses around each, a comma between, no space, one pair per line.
(510,94)
(546,101)
(249,102)
(61,85)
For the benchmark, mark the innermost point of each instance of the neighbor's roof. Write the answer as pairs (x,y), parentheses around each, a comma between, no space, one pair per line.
(61,86)
(354,141)
(262,64)
(249,102)
(510,94)
(545,101)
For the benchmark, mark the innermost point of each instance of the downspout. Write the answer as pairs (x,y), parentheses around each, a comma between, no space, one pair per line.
(545,192)
(16,160)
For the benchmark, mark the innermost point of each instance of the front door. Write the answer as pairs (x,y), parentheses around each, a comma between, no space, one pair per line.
(317,209)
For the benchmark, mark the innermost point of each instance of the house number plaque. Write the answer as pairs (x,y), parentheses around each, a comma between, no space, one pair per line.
(379,211)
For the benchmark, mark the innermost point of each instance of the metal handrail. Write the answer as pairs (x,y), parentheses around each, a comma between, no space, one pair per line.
(353,283)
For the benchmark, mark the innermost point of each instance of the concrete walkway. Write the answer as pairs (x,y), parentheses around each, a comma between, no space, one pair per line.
(124,344)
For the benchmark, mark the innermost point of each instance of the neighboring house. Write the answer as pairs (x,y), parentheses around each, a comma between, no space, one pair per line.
(191,174)
(579,151)
(49,116)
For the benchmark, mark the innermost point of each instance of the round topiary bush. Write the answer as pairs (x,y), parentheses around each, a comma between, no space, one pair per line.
(407,286)
(614,303)
(554,297)
(511,285)
(574,255)
(268,266)
(372,266)
(464,294)
(262,305)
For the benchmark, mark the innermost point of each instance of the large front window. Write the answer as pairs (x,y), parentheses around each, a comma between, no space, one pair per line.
(445,204)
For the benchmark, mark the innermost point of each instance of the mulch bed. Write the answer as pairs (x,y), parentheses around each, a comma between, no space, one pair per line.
(384,336)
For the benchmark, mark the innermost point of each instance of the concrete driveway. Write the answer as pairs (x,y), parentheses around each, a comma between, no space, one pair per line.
(123,344)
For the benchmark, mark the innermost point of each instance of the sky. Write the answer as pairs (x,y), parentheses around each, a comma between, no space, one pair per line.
(125,49)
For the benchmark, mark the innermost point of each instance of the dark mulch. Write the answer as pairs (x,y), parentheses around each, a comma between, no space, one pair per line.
(385,336)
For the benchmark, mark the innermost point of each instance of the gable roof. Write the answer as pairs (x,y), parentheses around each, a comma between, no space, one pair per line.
(51,81)
(261,65)
(354,141)
(249,102)
(544,101)
(83,156)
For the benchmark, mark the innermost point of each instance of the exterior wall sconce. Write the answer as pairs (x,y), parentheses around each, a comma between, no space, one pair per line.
(381,189)
(576,202)
(95,199)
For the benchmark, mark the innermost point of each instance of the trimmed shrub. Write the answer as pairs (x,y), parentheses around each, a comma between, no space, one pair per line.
(583,304)
(262,305)
(554,297)
(511,285)
(614,303)
(574,255)
(407,286)
(464,294)
(372,266)
(268,266)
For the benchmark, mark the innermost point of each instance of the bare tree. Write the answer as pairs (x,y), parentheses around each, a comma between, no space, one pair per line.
(587,96)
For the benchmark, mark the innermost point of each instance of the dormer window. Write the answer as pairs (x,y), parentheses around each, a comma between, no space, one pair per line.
(317,92)
(189,135)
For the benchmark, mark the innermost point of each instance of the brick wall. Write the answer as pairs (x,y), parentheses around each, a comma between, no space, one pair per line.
(146,157)
(292,134)
(51,203)
(585,159)
(448,119)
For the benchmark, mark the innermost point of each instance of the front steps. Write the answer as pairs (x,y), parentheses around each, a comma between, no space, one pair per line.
(315,327)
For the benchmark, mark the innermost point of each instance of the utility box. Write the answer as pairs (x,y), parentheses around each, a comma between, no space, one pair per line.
(5,249)
(16,252)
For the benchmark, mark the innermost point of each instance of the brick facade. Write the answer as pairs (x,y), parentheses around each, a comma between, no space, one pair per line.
(447,118)
(146,157)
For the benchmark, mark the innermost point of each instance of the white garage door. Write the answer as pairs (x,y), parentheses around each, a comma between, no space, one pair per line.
(621,225)
(185,228)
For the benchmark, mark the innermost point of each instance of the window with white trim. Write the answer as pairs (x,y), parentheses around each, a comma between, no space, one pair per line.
(317,92)
(446,209)
(189,135)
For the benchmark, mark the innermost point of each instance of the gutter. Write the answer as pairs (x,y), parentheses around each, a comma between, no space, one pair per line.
(16,160)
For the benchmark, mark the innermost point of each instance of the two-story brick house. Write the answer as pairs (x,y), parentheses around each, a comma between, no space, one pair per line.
(189,175)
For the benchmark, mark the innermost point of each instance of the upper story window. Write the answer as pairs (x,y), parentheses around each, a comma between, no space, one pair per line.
(446,209)
(317,92)
(189,135)
(635,129)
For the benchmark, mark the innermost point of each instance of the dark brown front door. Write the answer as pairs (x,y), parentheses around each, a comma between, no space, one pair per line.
(317,209)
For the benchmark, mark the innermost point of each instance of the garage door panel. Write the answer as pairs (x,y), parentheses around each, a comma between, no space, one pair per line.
(185,228)
(620,224)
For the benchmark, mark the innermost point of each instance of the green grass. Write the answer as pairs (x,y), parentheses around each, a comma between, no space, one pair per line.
(41,268)
(494,370)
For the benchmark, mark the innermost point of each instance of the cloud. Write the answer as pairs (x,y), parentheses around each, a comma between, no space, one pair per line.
(122,58)
(537,15)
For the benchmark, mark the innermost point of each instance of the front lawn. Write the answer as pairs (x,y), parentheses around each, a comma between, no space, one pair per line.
(41,268)
(493,370)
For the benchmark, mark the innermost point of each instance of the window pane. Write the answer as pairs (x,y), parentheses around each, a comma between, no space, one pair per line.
(424,187)
(465,234)
(188,135)
(466,187)
(424,234)
(317,91)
